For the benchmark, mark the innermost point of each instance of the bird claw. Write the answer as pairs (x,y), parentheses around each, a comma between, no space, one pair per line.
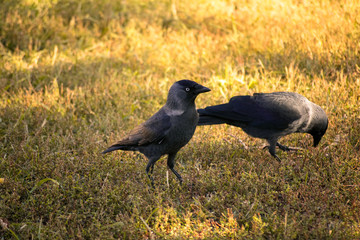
(265,147)
(272,154)
(287,149)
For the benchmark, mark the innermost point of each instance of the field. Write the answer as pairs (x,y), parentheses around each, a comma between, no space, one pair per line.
(78,75)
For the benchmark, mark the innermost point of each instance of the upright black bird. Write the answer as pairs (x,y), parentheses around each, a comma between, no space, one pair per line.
(168,130)
(269,116)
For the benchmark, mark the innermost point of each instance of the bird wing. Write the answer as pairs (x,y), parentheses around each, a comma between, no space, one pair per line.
(261,111)
(153,130)
(277,110)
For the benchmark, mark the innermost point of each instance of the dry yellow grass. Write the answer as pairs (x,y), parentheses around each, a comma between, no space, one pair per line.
(78,75)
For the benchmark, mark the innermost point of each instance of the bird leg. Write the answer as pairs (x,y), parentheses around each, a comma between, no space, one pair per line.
(150,168)
(286,149)
(171,163)
(272,147)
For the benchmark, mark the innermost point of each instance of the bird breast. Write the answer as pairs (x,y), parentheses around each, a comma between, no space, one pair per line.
(183,128)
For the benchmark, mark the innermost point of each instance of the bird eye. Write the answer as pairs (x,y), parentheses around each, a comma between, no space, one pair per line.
(187,89)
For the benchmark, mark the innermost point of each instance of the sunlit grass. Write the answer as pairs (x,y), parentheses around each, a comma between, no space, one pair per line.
(76,76)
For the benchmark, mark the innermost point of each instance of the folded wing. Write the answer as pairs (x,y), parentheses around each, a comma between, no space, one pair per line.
(153,130)
(268,111)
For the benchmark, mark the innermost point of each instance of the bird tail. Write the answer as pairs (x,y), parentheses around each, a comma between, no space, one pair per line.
(116,147)
(205,119)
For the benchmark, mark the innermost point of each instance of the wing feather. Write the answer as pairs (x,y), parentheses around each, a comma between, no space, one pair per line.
(153,130)
(268,111)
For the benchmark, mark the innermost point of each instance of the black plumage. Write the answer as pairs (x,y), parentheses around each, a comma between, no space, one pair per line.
(168,130)
(269,116)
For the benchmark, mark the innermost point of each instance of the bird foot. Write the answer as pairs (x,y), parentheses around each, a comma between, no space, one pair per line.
(287,149)
(272,154)
(277,158)
(265,147)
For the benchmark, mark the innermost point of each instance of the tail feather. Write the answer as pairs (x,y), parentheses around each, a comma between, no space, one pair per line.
(116,147)
(209,120)
(205,119)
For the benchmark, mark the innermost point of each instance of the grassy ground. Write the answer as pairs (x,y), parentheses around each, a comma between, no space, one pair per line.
(75,76)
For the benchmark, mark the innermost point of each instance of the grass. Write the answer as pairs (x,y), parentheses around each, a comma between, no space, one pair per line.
(75,76)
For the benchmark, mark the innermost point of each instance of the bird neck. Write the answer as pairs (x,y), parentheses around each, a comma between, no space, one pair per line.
(174,104)
(317,120)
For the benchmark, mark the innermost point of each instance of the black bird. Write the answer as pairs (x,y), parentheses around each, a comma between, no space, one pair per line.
(269,116)
(168,130)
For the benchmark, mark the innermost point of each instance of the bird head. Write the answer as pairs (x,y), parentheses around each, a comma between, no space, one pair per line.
(319,125)
(185,91)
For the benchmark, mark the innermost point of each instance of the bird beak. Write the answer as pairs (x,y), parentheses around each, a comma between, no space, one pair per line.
(201,89)
(317,139)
